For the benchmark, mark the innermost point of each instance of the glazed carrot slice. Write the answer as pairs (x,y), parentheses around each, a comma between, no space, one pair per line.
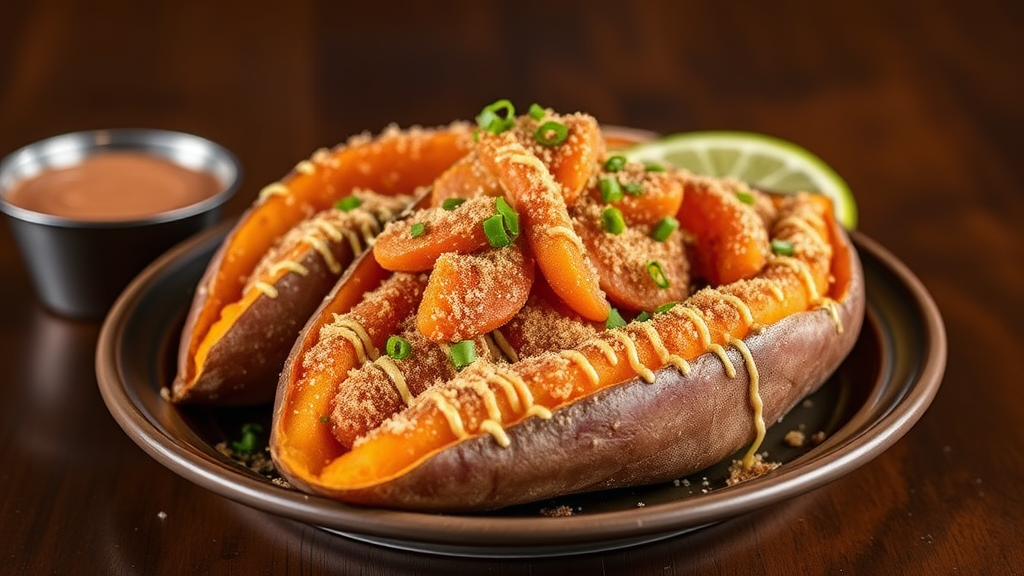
(644,197)
(570,162)
(467,178)
(414,244)
(471,294)
(394,162)
(559,251)
(709,320)
(636,271)
(730,238)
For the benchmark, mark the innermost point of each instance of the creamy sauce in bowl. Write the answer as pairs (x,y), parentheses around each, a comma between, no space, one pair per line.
(114,186)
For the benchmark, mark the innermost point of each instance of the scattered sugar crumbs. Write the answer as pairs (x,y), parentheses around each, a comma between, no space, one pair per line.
(558,511)
(740,473)
(258,462)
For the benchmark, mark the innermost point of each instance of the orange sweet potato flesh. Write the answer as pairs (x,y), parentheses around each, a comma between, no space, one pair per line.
(222,318)
(304,441)
(591,428)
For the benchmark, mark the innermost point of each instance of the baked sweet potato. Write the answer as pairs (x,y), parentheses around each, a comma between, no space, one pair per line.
(668,393)
(245,315)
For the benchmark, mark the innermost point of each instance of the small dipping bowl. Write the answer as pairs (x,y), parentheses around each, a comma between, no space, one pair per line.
(82,252)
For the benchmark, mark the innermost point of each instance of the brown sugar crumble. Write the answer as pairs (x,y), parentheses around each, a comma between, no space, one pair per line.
(557,512)
(740,473)
(795,438)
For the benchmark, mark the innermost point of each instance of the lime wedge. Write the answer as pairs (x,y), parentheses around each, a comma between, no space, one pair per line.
(763,161)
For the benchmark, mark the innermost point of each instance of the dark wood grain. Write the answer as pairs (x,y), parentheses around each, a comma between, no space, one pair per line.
(917,104)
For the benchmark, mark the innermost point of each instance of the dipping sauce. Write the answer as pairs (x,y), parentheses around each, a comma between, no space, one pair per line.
(114,186)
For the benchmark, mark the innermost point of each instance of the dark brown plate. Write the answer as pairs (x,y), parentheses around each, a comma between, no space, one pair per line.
(873,399)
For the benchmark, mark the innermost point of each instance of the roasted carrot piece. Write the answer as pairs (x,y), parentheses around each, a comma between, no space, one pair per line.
(571,162)
(730,238)
(644,197)
(471,294)
(465,179)
(414,243)
(636,271)
(558,249)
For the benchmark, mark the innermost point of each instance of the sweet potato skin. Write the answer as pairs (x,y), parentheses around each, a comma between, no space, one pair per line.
(636,433)
(242,368)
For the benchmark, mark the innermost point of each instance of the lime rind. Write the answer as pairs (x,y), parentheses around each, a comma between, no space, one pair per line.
(760,159)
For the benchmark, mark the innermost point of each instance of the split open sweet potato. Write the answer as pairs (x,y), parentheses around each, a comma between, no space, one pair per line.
(262,284)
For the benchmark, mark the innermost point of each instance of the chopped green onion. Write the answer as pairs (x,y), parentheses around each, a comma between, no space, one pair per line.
(782,247)
(462,353)
(398,347)
(537,111)
(497,117)
(325,419)
(510,215)
(615,163)
(657,274)
(551,133)
(665,307)
(418,229)
(614,320)
(643,316)
(494,228)
(247,445)
(612,220)
(653,167)
(634,189)
(745,196)
(664,228)
(611,191)
(452,203)
(348,203)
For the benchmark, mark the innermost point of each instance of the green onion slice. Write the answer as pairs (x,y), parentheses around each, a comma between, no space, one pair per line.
(615,163)
(418,229)
(348,203)
(398,347)
(612,220)
(494,228)
(551,133)
(462,353)
(497,117)
(452,203)
(611,191)
(633,189)
(250,437)
(510,215)
(653,167)
(783,247)
(665,307)
(657,274)
(664,228)
(537,111)
(745,196)
(615,320)
(643,316)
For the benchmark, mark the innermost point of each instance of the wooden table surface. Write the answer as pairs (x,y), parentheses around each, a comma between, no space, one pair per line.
(919,105)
